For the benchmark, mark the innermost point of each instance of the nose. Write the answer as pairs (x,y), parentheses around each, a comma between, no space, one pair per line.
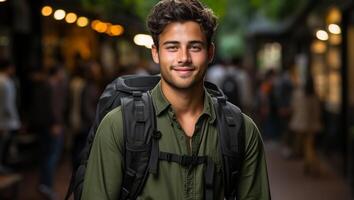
(184,56)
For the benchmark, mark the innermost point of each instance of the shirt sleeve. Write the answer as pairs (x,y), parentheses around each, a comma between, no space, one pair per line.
(104,171)
(253,183)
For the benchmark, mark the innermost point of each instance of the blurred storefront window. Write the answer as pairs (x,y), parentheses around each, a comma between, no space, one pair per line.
(326,62)
(333,70)
(269,57)
(327,70)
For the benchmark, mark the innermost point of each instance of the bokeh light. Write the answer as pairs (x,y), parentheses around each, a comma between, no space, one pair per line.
(334,29)
(47,10)
(116,30)
(143,40)
(71,18)
(82,21)
(322,35)
(59,14)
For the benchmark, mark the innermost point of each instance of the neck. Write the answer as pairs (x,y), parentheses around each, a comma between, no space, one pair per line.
(185,101)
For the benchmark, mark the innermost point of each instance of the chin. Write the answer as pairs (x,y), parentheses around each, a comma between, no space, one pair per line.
(183,84)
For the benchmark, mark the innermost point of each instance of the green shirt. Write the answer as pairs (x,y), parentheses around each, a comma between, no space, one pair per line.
(104,173)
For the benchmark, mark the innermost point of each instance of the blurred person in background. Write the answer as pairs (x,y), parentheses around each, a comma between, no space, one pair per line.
(216,73)
(306,123)
(9,117)
(267,105)
(231,84)
(284,89)
(85,91)
(52,142)
(236,85)
(46,119)
(76,87)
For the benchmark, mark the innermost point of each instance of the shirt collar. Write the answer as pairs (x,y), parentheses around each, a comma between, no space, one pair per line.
(161,103)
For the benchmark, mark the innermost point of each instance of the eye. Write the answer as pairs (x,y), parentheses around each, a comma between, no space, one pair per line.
(172,48)
(196,48)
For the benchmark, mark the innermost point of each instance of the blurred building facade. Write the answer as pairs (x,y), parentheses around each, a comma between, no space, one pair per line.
(34,33)
(319,41)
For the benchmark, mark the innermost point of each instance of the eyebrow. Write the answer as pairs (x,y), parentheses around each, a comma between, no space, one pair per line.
(190,42)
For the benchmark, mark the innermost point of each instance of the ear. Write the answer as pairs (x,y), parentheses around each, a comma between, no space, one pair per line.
(155,54)
(211,52)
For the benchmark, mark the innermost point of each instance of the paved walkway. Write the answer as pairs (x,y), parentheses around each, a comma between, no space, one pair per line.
(288,181)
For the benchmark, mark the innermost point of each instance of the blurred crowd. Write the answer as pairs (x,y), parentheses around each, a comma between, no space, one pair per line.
(58,104)
(60,108)
(284,105)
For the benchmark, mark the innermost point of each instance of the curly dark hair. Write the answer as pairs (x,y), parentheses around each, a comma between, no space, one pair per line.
(168,11)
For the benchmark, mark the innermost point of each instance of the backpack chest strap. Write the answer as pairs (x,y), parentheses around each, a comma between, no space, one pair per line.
(184,160)
(191,162)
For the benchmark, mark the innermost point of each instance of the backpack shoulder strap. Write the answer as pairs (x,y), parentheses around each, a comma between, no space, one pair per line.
(231,133)
(129,86)
(139,125)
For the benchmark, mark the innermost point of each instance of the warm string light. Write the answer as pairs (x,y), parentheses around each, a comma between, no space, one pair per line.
(47,10)
(82,21)
(59,14)
(71,18)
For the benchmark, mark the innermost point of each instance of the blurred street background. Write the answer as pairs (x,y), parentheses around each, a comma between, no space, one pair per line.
(287,64)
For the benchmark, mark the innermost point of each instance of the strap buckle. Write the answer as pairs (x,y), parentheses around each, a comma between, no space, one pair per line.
(189,161)
(186,160)
(168,157)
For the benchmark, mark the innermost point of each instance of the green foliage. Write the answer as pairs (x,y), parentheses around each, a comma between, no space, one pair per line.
(219,6)
(230,45)
(142,7)
(280,9)
(234,16)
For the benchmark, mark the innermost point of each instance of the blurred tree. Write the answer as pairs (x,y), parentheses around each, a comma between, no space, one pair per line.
(234,16)
(140,7)
(280,9)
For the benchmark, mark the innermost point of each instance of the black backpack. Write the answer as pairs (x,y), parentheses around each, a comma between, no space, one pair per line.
(141,138)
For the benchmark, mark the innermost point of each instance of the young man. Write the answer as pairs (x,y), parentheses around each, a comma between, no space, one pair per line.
(182,31)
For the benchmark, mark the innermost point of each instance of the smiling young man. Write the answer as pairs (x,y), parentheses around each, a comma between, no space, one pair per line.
(182,31)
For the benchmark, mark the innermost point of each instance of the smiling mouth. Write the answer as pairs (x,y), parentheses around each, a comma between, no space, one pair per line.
(184,71)
(183,68)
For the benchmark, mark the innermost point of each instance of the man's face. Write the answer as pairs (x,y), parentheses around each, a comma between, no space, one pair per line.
(183,55)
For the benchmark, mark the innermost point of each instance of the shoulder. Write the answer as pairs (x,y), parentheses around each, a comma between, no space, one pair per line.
(112,119)
(111,127)
(249,124)
(252,133)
